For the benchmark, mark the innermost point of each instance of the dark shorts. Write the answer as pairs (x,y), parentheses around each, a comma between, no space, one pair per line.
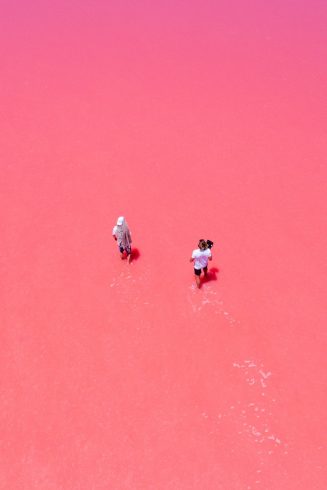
(128,250)
(197,272)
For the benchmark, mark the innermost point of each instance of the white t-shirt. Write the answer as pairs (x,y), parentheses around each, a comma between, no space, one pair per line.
(201,258)
(114,230)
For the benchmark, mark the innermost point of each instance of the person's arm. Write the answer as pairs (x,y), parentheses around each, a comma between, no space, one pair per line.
(191,259)
(114,233)
(209,254)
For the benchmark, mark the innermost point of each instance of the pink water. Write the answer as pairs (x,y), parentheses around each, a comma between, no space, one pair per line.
(193,120)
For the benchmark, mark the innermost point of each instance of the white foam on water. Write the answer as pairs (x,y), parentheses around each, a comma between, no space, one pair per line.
(208,298)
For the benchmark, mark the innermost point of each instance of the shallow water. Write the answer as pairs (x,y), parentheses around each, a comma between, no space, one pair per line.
(193,122)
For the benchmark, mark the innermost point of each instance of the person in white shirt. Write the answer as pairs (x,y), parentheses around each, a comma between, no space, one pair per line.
(122,235)
(200,257)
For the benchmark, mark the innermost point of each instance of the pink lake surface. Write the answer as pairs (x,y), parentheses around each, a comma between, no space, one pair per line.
(192,119)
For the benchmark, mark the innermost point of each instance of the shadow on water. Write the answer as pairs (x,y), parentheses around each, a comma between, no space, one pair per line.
(211,276)
(135,254)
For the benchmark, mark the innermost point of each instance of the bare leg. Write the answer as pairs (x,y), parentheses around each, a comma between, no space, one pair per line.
(130,256)
(205,270)
(198,281)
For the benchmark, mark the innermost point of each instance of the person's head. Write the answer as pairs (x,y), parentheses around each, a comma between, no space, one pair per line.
(202,244)
(120,221)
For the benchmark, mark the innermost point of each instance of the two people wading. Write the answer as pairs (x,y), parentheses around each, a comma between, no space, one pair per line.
(200,256)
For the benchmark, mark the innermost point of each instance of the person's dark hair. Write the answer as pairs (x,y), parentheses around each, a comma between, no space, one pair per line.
(202,244)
